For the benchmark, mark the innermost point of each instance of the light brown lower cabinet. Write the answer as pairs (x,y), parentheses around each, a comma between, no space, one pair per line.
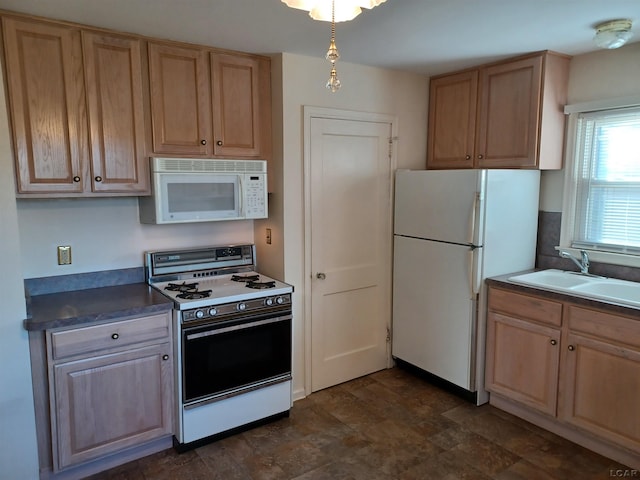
(110,388)
(600,380)
(571,369)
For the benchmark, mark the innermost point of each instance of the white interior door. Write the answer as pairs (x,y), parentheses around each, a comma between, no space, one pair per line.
(350,261)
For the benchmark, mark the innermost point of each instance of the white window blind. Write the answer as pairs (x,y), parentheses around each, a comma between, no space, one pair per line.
(608,181)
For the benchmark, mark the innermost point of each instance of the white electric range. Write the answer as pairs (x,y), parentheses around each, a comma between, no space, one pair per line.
(232,331)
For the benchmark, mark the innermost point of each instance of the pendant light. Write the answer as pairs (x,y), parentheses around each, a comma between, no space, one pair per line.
(333,11)
(333,84)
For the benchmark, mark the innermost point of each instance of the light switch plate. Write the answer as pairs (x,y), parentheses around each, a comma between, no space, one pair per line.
(64,255)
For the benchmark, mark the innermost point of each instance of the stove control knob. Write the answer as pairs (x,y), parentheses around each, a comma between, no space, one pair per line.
(268,301)
(242,306)
(279,300)
(213,311)
(199,314)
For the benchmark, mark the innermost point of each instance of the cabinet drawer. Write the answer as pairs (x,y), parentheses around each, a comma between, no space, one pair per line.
(110,335)
(604,325)
(525,306)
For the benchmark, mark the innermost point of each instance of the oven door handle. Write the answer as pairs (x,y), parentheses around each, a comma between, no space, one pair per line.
(234,328)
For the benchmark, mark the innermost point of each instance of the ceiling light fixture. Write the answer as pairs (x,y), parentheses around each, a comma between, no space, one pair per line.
(323,10)
(328,11)
(613,34)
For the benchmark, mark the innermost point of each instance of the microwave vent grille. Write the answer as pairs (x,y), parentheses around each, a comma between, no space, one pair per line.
(196,165)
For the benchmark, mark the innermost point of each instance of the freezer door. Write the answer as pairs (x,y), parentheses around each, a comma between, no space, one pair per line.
(434,308)
(442,205)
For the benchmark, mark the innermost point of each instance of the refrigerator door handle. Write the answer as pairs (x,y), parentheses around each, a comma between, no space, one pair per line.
(477,271)
(474,271)
(471,271)
(474,218)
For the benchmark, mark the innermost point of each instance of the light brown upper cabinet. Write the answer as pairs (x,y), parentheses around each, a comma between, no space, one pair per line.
(237,108)
(78,123)
(180,100)
(113,72)
(47,105)
(502,115)
(206,103)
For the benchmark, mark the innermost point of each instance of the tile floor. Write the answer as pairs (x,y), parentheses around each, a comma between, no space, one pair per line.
(388,425)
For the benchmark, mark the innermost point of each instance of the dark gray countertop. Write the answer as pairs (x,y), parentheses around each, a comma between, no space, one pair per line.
(81,307)
(503,281)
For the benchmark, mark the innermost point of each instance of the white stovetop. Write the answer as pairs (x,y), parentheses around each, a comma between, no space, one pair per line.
(223,290)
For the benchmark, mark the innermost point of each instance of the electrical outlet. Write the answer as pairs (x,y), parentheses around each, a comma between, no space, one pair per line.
(268,236)
(64,255)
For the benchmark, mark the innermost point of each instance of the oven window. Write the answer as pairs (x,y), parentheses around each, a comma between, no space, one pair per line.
(213,364)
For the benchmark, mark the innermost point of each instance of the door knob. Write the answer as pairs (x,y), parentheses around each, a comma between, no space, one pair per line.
(320,276)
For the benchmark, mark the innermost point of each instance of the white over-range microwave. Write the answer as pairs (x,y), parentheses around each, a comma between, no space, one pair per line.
(205,190)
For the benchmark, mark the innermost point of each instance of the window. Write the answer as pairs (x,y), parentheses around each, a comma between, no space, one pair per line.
(603,209)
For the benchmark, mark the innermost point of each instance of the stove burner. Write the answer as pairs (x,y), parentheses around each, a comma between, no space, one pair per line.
(261,285)
(181,287)
(245,278)
(194,294)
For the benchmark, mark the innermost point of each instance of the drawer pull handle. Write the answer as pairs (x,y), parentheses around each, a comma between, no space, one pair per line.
(219,143)
(467,157)
(98,178)
(76,179)
(480,157)
(203,142)
(165,357)
(571,348)
(115,336)
(553,342)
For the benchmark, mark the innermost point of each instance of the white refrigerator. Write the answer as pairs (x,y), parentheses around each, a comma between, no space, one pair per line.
(453,229)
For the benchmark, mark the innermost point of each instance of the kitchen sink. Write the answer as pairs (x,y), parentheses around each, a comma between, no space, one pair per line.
(589,286)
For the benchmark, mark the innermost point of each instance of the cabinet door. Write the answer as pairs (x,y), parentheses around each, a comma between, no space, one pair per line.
(180,100)
(236,105)
(103,404)
(601,388)
(113,72)
(47,103)
(509,114)
(522,361)
(452,120)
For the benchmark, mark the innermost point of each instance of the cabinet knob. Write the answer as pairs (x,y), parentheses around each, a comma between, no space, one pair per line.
(115,336)
(203,142)
(480,157)
(165,357)
(98,178)
(467,157)
(320,276)
(76,179)
(553,342)
(219,143)
(571,348)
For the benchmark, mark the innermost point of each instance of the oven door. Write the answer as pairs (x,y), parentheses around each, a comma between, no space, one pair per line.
(226,358)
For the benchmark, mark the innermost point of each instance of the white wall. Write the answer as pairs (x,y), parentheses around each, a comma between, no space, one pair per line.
(105,234)
(18,448)
(363,89)
(594,76)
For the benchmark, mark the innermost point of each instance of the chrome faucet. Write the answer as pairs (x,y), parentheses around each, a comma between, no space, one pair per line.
(583,264)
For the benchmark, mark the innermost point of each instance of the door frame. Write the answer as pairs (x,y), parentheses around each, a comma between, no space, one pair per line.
(310,112)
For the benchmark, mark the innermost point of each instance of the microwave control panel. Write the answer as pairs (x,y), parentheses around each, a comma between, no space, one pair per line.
(255,196)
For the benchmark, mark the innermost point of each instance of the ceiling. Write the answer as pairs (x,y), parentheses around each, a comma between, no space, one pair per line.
(424,36)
